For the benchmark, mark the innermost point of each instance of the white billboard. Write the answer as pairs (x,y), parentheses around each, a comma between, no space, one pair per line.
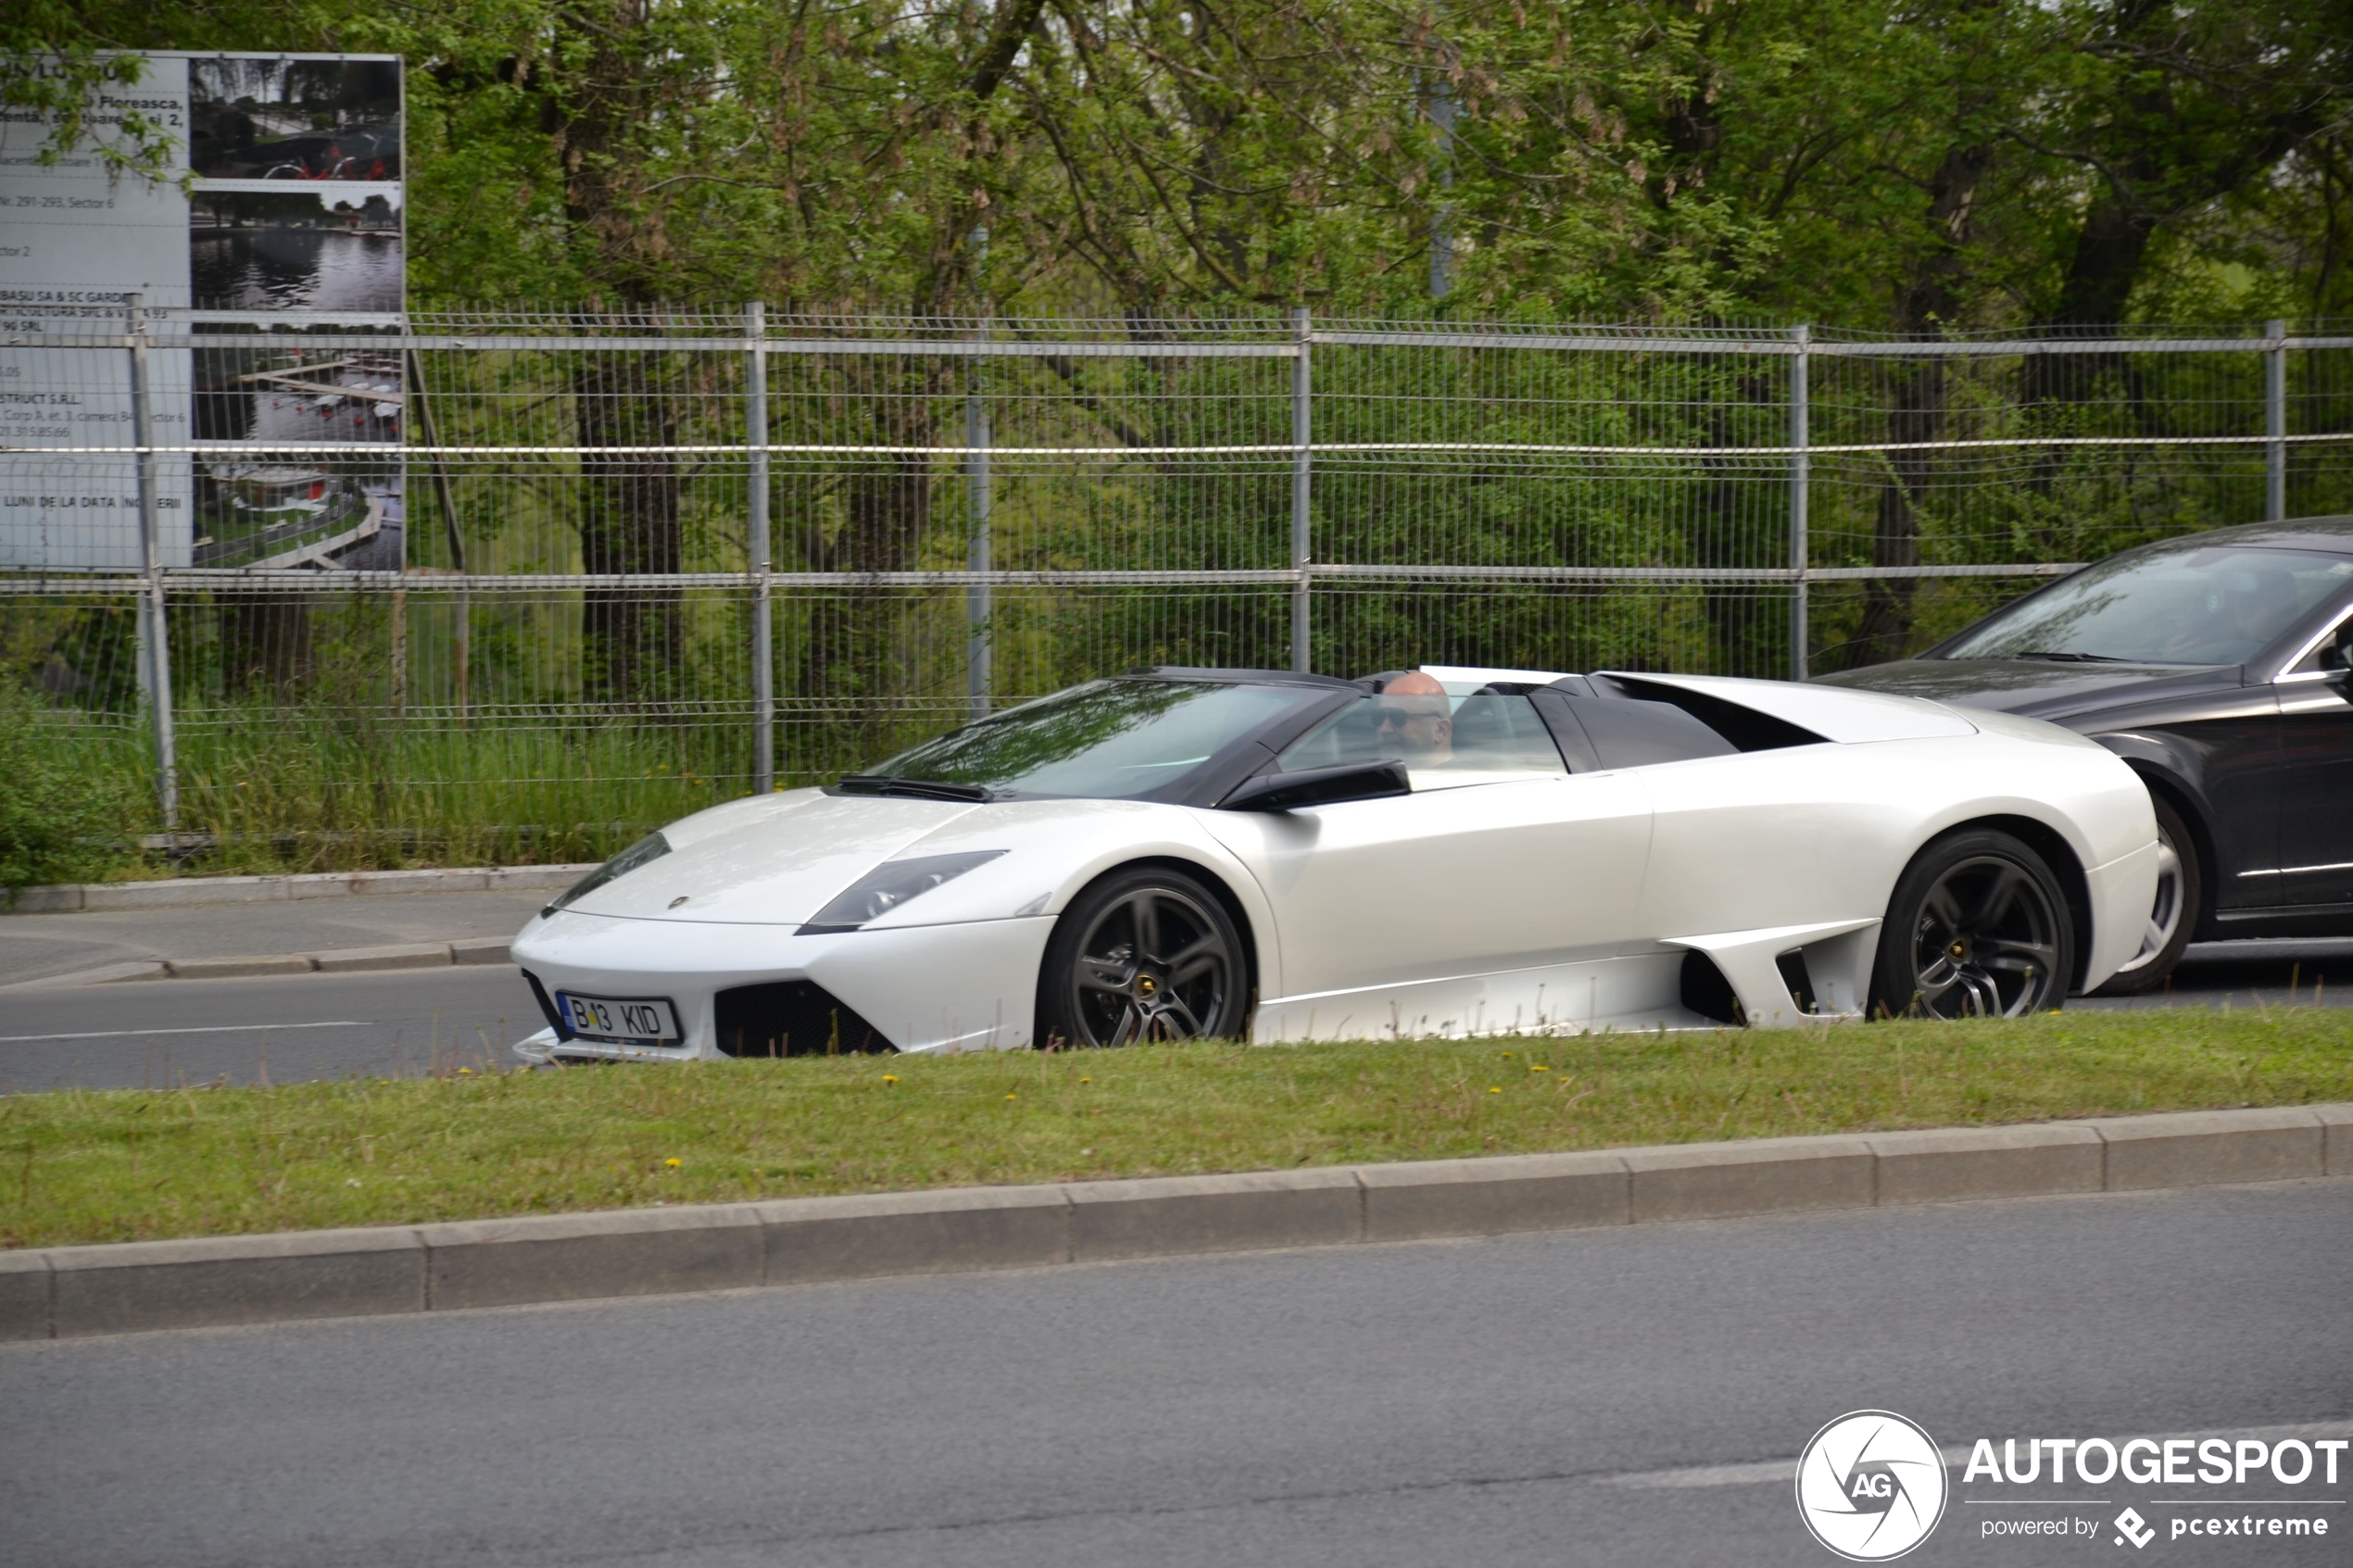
(282,214)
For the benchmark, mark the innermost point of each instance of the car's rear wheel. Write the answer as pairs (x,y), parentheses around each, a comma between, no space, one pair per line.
(1978,928)
(2173,915)
(1143,954)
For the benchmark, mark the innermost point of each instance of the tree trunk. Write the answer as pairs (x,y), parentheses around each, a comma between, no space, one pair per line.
(631,638)
(1916,413)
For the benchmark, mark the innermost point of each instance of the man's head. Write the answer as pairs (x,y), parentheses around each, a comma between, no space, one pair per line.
(1416,719)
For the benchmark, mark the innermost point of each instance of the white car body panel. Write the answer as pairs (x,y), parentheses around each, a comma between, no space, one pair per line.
(1526,903)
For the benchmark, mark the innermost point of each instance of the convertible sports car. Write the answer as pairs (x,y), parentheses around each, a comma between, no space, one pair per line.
(1247,853)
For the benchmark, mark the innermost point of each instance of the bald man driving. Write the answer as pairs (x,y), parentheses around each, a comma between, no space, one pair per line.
(1417,720)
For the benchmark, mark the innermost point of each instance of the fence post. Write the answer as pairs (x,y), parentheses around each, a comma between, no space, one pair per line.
(157,627)
(978,600)
(1800,467)
(1301,472)
(764,618)
(461,647)
(2275,423)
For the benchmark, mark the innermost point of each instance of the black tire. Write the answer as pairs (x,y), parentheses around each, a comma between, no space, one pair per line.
(1147,953)
(2180,903)
(1979,927)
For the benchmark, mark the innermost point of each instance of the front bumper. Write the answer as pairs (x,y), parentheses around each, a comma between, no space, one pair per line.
(969,987)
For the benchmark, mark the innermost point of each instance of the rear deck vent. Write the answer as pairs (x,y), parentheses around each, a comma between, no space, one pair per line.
(793,1018)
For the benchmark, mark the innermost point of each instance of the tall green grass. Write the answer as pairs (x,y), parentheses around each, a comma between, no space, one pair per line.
(277,788)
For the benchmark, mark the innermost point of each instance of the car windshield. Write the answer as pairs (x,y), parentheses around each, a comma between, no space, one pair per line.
(1442,741)
(2219,605)
(1109,740)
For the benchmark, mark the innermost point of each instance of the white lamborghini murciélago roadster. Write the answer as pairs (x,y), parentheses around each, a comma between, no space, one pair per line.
(1254,854)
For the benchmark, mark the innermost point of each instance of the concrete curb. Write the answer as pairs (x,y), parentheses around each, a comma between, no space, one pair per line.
(70,1292)
(342,961)
(177,893)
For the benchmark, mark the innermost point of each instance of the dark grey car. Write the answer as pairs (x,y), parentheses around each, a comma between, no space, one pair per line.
(2216,665)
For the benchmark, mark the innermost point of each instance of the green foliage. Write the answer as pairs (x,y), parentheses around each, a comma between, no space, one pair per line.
(1915,165)
(63,784)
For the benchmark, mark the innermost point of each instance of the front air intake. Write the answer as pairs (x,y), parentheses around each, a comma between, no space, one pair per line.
(793,1018)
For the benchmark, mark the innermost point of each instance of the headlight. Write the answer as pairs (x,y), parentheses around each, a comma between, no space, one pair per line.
(890,884)
(647,850)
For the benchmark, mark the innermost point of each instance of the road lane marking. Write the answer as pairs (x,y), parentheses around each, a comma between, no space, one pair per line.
(206,1029)
(1784,1470)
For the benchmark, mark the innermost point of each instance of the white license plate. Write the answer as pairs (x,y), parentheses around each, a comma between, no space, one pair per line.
(643,1021)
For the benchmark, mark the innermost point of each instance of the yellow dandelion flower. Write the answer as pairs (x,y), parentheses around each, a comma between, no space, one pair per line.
(465,1072)
(1494,1088)
(891,1077)
(1086,1080)
(1013,1096)
(1507,1056)
(673,1163)
(1540,1067)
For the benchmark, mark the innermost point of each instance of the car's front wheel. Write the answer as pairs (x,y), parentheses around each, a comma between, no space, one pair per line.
(1978,928)
(1143,954)
(2173,915)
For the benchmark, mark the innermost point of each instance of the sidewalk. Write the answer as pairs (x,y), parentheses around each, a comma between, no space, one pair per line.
(45,947)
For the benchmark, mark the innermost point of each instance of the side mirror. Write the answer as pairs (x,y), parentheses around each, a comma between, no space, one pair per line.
(1318,786)
(2337,659)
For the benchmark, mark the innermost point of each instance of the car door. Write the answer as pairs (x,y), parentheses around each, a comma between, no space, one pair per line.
(1499,864)
(2316,773)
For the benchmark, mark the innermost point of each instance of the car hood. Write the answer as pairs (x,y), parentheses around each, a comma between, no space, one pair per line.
(768,863)
(2034,688)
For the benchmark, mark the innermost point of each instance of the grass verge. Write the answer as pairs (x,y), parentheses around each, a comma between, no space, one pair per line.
(119,1165)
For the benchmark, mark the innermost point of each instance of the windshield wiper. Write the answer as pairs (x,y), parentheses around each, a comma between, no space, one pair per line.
(2073,657)
(913,789)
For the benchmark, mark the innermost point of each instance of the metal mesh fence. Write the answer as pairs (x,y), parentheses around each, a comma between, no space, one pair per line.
(521,583)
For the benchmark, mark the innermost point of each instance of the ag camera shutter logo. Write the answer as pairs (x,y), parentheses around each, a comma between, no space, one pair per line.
(1871,1485)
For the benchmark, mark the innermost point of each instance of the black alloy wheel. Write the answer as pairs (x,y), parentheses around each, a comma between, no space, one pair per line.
(2173,915)
(1978,928)
(1143,954)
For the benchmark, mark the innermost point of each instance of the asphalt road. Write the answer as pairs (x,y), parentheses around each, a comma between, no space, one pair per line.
(160,1033)
(2273,973)
(42,947)
(1631,1396)
(164,1031)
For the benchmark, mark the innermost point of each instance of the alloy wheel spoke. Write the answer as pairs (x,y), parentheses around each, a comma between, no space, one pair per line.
(1202,963)
(1999,952)
(1984,998)
(2000,895)
(1143,911)
(1183,957)
(1943,908)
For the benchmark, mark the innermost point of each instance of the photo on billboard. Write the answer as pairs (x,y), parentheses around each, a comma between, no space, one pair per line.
(264,118)
(286,506)
(322,247)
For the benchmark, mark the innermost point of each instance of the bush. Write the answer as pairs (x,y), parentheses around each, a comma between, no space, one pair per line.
(64,810)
